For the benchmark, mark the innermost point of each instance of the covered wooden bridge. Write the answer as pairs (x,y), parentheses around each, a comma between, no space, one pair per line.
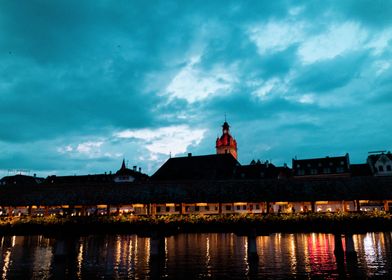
(203,196)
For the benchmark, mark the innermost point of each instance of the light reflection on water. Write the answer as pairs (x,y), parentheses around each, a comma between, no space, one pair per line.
(198,256)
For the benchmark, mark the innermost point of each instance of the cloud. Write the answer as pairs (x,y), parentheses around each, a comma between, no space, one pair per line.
(87,84)
(276,36)
(337,40)
(172,140)
(193,84)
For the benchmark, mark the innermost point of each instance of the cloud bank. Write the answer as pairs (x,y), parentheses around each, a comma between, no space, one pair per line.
(83,85)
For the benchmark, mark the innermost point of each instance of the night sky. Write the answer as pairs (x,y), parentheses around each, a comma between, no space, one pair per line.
(84,84)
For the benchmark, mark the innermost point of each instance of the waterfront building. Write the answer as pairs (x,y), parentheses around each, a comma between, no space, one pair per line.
(226,144)
(262,170)
(380,163)
(207,167)
(361,169)
(321,167)
(208,184)
(124,174)
(20,180)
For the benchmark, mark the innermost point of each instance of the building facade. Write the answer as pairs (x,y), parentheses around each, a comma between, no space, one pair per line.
(380,163)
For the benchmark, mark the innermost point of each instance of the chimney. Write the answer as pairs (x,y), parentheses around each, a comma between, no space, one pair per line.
(134,168)
(35,175)
(189,154)
(140,170)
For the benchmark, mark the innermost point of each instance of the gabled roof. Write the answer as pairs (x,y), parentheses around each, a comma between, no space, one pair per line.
(208,167)
(372,159)
(124,171)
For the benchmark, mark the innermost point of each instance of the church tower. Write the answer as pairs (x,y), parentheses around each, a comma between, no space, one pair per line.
(226,143)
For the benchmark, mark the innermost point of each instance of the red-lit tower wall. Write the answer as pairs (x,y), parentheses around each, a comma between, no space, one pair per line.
(226,143)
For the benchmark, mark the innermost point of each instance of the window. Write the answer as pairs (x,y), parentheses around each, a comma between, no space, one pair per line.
(243,207)
(330,164)
(298,166)
(257,206)
(342,163)
(158,209)
(167,209)
(389,168)
(313,171)
(177,208)
(309,165)
(207,208)
(381,168)
(339,169)
(197,208)
(326,170)
(238,207)
(228,207)
(301,172)
(320,164)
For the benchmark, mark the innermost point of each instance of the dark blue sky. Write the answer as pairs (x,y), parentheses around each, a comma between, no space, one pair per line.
(85,83)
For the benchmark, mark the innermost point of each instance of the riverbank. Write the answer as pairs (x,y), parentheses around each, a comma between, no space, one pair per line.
(172,224)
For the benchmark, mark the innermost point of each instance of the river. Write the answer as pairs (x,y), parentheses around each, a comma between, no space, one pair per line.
(194,256)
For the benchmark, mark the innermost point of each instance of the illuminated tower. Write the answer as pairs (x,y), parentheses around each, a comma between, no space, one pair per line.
(226,143)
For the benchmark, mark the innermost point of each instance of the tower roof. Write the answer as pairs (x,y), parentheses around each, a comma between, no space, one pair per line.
(225,126)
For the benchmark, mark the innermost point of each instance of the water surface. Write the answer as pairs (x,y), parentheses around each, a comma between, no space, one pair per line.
(193,256)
